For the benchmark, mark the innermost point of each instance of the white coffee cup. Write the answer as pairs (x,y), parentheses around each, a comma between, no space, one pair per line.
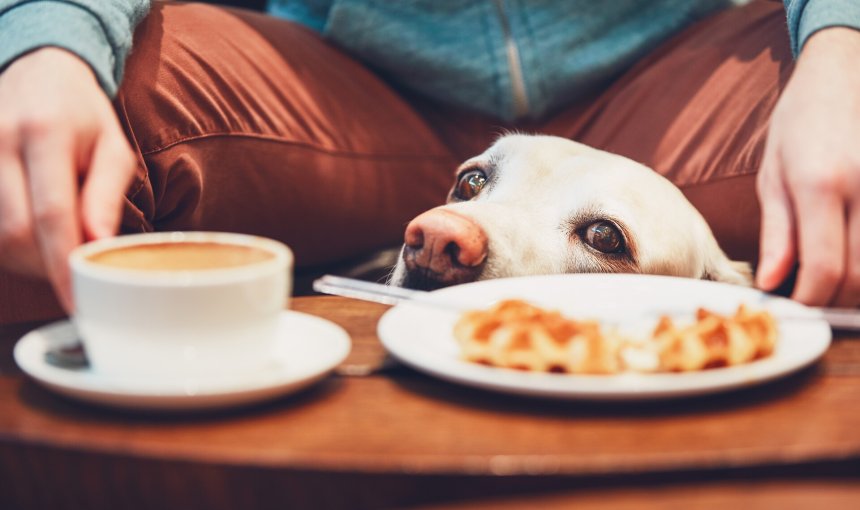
(179,323)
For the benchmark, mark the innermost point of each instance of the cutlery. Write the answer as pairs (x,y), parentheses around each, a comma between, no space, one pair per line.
(841,319)
(379,293)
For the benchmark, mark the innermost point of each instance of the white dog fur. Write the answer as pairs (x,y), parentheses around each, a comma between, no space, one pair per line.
(542,191)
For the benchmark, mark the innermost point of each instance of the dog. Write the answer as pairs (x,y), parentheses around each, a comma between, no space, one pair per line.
(534,205)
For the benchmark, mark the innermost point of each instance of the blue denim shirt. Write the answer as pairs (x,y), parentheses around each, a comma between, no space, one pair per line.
(507,58)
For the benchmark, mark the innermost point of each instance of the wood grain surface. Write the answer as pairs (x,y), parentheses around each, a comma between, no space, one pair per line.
(396,437)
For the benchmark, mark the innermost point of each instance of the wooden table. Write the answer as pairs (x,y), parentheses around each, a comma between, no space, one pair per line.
(398,438)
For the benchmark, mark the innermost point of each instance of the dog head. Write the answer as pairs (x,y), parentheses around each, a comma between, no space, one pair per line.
(543,205)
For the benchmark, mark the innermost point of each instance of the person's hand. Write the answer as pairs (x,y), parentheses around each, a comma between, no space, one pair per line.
(809,182)
(64,164)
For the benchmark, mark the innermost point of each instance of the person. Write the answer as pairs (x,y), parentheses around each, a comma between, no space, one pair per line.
(330,124)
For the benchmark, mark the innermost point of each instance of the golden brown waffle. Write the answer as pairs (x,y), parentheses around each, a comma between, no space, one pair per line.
(516,334)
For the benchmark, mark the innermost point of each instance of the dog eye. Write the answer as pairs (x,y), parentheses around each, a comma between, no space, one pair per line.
(604,236)
(470,184)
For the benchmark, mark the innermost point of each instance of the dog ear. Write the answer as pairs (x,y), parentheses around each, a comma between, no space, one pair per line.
(729,271)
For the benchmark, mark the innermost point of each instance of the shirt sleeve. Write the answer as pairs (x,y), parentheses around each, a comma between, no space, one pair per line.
(805,17)
(98,31)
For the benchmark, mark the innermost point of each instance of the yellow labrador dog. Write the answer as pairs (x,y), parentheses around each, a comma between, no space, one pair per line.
(542,205)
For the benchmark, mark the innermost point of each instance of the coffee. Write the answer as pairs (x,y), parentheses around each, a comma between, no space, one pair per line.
(178,306)
(181,256)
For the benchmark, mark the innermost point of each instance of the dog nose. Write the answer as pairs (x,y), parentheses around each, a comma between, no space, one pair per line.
(449,245)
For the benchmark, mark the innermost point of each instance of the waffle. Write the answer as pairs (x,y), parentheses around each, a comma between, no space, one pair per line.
(516,334)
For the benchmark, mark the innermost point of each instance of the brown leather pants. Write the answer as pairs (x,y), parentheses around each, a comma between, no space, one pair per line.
(252,124)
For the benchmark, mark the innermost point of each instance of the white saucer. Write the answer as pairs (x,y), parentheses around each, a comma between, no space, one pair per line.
(307,349)
(422,336)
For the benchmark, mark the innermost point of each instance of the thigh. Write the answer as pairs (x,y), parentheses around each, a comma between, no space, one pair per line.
(697,111)
(252,124)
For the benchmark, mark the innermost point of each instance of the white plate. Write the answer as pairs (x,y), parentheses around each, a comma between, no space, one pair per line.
(422,337)
(306,350)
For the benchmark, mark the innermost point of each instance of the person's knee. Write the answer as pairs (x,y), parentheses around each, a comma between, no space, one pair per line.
(163,87)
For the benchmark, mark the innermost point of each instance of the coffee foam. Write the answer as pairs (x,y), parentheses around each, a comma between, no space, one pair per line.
(181,256)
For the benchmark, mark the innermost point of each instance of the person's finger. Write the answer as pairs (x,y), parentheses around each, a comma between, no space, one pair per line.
(50,156)
(849,292)
(111,171)
(18,248)
(821,242)
(778,250)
